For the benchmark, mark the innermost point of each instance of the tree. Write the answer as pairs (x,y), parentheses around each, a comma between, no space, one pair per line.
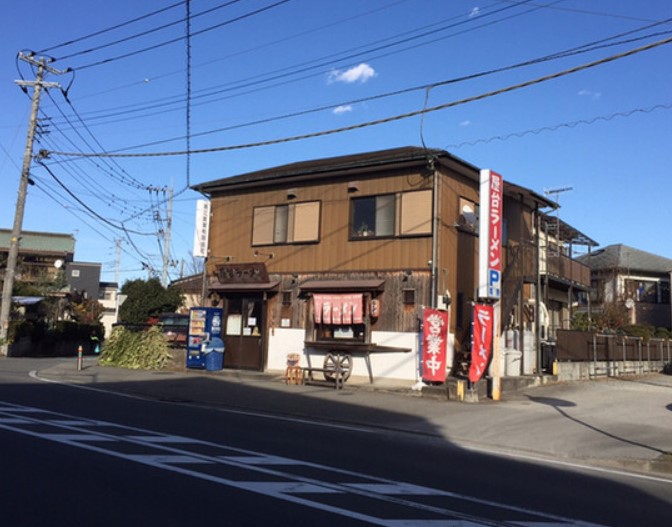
(194,265)
(147,298)
(85,310)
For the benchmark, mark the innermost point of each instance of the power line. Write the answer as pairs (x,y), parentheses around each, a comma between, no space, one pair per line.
(91,184)
(107,30)
(581,11)
(584,48)
(188,79)
(174,40)
(328,60)
(124,177)
(556,127)
(398,117)
(148,32)
(140,254)
(563,54)
(89,209)
(256,48)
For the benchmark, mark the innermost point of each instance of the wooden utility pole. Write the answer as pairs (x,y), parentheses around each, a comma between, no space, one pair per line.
(166,239)
(8,284)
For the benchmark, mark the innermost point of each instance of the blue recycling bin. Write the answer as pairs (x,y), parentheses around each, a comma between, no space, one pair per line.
(214,354)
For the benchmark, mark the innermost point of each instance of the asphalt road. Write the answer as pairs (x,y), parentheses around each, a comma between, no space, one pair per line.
(76,456)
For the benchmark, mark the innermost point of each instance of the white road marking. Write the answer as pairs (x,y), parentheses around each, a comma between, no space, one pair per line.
(397,488)
(298,489)
(163,439)
(289,487)
(73,438)
(363,429)
(155,459)
(262,460)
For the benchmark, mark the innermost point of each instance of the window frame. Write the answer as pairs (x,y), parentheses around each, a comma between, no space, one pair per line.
(281,224)
(464,222)
(399,219)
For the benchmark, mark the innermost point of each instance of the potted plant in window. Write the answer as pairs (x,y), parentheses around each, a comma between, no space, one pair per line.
(363,230)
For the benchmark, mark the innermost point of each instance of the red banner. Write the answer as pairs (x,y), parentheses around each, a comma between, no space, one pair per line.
(338,309)
(481,341)
(434,344)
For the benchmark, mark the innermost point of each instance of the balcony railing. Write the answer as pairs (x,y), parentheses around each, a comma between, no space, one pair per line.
(553,265)
(562,267)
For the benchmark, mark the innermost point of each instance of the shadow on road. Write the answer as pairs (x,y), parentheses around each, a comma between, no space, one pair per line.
(268,416)
(559,404)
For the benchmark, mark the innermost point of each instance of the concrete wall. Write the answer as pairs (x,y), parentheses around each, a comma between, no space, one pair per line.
(384,366)
(578,371)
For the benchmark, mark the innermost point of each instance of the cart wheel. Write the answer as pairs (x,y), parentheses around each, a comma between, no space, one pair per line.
(343,361)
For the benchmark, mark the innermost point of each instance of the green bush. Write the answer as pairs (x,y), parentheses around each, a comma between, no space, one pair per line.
(663,333)
(136,350)
(643,331)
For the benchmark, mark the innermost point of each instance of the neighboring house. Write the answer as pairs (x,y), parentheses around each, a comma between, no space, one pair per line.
(83,278)
(41,255)
(395,230)
(191,288)
(564,279)
(107,296)
(638,280)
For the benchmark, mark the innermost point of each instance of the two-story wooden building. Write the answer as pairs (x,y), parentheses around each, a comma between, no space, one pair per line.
(41,254)
(379,236)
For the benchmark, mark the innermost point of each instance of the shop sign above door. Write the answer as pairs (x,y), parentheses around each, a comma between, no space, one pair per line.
(244,273)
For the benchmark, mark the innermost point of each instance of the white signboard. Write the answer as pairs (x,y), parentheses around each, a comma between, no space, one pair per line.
(202,228)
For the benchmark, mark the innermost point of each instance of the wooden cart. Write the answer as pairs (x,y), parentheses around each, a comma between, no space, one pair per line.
(337,365)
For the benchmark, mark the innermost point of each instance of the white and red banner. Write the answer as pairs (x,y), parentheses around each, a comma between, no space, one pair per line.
(481,340)
(490,235)
(339,310)
(434,344)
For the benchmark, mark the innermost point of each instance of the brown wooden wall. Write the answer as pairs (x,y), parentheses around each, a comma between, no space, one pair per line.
(335,253)
(231,230)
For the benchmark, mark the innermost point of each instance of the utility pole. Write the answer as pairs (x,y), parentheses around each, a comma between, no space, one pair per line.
(166,240)
(117,263)
(38,84)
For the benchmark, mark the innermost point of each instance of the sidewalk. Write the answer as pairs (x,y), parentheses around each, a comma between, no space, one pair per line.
(617,423)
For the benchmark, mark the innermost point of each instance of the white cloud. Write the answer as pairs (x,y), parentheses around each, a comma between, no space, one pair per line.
(465,123)
(361,73)
(592,94)
(344,108)
(475,12)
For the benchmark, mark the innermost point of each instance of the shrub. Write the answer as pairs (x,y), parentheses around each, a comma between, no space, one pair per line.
(663,333)
(136,350)
(645,332)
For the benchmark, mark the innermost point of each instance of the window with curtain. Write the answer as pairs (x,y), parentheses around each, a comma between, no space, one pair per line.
(387,215)
(286,224)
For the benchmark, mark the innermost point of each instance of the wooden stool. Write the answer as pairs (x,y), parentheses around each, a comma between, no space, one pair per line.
(293,372)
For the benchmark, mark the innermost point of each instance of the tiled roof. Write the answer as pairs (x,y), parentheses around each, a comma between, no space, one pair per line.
(623,257)
(40,242)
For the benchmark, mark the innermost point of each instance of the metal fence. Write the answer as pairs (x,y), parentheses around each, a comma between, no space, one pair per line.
(613,354)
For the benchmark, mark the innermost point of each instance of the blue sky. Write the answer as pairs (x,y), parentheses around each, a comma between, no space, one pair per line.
(604,131)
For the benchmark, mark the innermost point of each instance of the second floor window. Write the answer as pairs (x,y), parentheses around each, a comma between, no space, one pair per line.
(282,224)
(468,215)
(373,216)
(404,214)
